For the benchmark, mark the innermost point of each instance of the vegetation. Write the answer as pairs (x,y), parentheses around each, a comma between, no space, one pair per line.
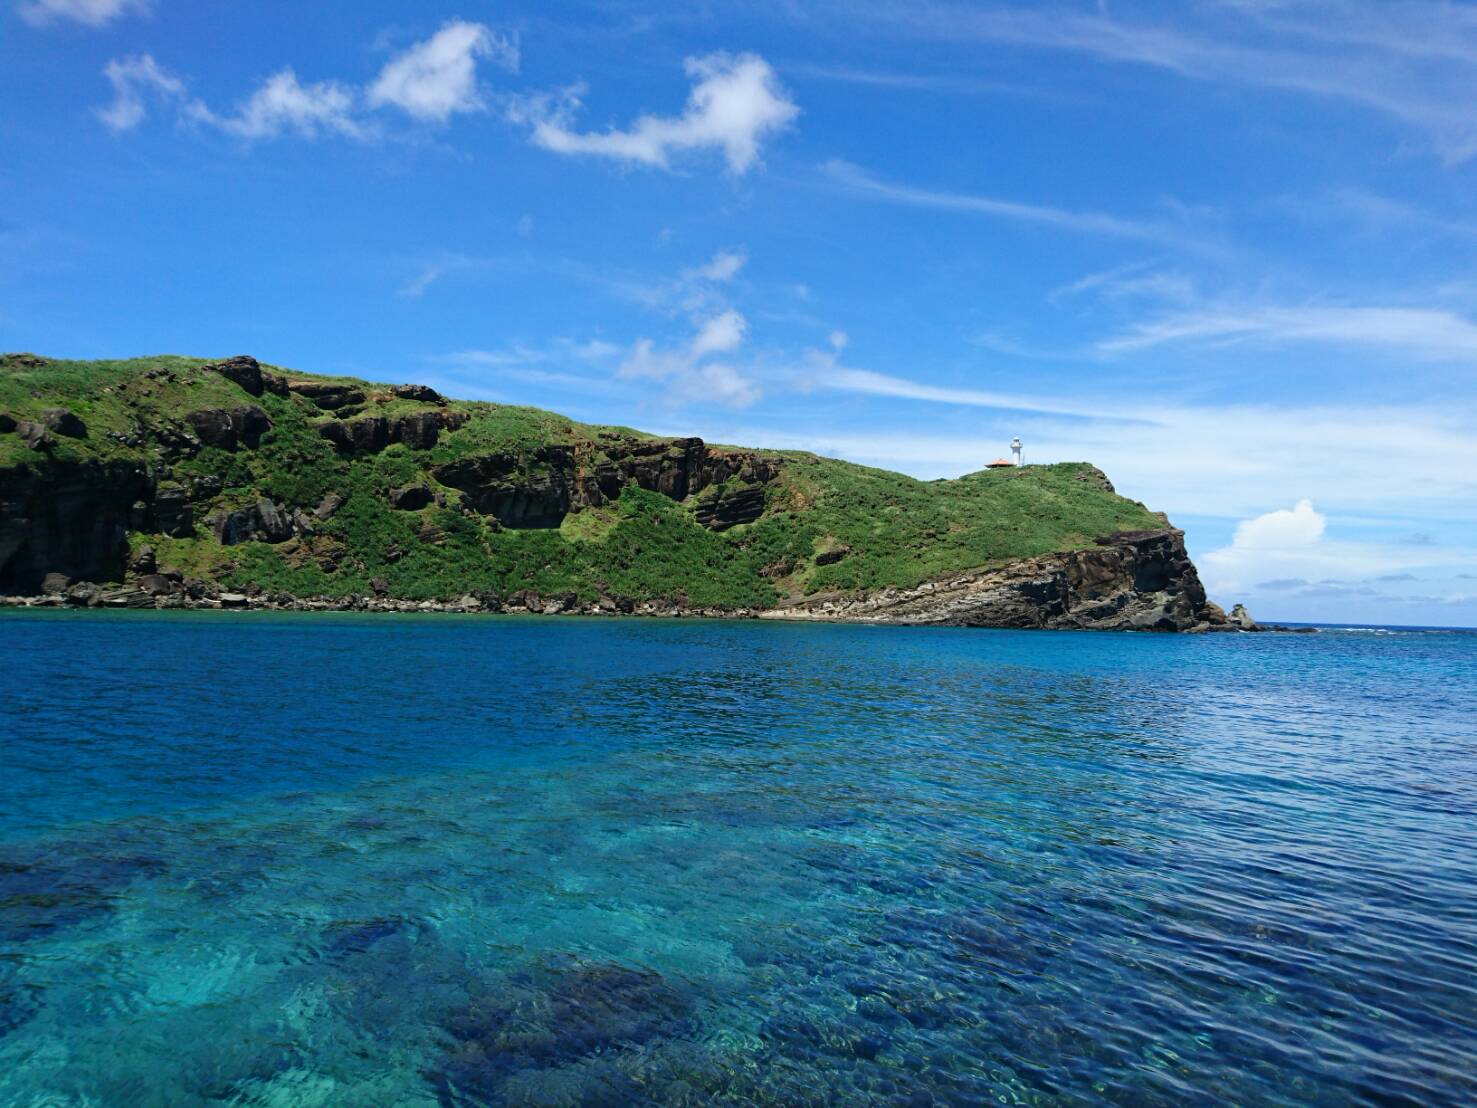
(871,528)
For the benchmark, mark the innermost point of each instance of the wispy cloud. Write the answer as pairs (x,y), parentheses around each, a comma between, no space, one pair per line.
(1420,332)
(90,13)
(858,182)
(735,104)
(1412,60)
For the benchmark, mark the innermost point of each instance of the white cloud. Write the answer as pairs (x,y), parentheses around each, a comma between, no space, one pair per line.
(723,266)
(415,288)
(735,104)
(1425,332)
(722,333)
(438,77)
(857,181)
(92,13)
(689,375)
(430,81)
(283,103)
(135,81)
(1413,62)
(1302,526)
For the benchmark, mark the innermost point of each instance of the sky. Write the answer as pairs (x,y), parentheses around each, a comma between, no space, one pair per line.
(1223,249)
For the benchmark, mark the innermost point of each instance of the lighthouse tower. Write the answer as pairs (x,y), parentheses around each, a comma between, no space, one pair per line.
(1015,450)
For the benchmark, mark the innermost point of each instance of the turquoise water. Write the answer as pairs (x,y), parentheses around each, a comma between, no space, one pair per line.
(263,859)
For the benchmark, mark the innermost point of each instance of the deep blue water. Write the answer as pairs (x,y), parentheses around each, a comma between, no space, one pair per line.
(264,859)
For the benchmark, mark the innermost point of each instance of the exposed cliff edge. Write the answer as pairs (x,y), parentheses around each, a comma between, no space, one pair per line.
(1130,581)
(173,482)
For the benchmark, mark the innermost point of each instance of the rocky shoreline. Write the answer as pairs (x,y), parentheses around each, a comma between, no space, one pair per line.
(1104,589)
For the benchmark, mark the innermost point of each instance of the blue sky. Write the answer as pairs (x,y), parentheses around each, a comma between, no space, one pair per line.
(1224,249)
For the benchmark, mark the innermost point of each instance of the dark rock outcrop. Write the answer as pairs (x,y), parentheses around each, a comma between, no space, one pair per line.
(330,503)
(264,521)
(727,508)
(34,434)
(831,557)
(63,421)
(227,428)
(541,488)
(411,498)
(70,518)
(423,393)
(367,434)
(7,423)
(173,513)
(244,370)
(371,434)
(328,396)
(1130,581)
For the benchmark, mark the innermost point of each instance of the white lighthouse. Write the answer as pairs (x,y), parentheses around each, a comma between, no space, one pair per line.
(1015,450)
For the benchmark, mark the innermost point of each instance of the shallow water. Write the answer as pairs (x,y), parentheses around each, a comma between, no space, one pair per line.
(265,859)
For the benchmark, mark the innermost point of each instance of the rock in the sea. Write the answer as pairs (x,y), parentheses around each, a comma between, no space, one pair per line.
(233,600)
(1241,619)
(411,498)
(65,422)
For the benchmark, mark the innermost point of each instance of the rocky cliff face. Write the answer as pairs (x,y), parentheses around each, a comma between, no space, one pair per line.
(1131,581)
(71,519)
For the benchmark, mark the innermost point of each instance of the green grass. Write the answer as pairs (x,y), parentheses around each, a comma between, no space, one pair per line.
(898,531)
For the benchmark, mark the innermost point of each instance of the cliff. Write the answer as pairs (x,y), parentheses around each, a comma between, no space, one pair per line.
(170,482)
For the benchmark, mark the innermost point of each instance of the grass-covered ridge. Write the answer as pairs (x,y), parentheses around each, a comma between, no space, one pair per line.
(825,524)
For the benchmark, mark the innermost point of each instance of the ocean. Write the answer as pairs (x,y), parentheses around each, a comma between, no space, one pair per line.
(269,859)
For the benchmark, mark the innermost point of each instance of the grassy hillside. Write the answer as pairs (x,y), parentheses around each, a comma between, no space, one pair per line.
(825,524)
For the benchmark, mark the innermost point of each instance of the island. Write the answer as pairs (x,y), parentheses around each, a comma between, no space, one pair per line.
(174,482)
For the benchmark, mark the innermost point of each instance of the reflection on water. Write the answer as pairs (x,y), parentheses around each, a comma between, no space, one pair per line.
(266,860)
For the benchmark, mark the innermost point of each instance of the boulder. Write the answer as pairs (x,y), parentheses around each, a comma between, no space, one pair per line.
(55,584)
(328,396)
(264,521)
(144,561)
(34,434)
(227,427)
(65,422)
(411,498)
(173,513)
(243,369)
(125,598)
(424,393)
(83,594)
(233,600)
(1240,618)
(7,423)
(160,584)
(330,503)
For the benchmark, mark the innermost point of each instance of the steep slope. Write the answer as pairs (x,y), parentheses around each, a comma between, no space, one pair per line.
(184,481)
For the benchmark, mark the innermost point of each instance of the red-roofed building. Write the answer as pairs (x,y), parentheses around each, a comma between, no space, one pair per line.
(1000,463)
